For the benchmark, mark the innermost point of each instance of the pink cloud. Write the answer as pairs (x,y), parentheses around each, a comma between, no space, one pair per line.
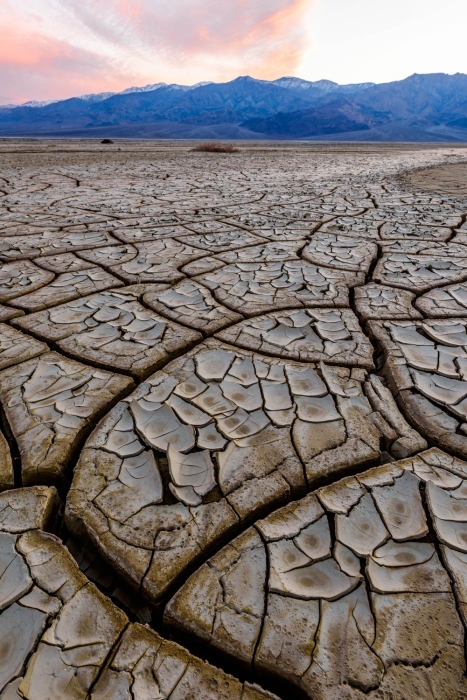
(109,46)
(35,66)
(130,8)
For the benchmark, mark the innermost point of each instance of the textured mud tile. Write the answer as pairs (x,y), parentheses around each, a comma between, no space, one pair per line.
(334,436)
(100,573)
(144,230)
(275,196)
(52,242)
(253,288)
(203,265)
(113,330)
(20,629)
(407,567)
(117,501)
(446,302)
(79,315)
(30,508)
(67,286)
(211,597)
(420,641)
(28,565)
(212,439)
(341,197)
(447,504)
(362,529)
(267,252)
(109,256)
(270,225)
(221,237)
(341,252)
(149,222)
(377,301)
(67,659)
(456,563)
(419,272)
(290,217)
(83,625)
(287,644)
(6,314)
(156,261)
(49,403)
(344,661)
(398,231)
(17,279)
(34,220)
(121,203)
(63,262)
(211,606)
(352,226)
(208,226)
(21,229)
(424,362)
(280,235)
(315,211)
(16,347)
(7,477)
(347,618)
(138,345)
(193,305)
(415,216)
(148,666)
(63,215)
(15,580)
(452,249)
(332,335)
(212,209)
(396,196)
(382,401)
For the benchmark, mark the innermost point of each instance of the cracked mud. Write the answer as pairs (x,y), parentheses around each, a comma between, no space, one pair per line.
(233,423)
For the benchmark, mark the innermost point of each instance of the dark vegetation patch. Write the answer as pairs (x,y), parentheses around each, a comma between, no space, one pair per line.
(215,147)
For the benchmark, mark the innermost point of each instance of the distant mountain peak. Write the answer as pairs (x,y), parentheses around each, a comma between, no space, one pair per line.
(145,88)
(324,85)
(290,81)
(419,107)
(100,96)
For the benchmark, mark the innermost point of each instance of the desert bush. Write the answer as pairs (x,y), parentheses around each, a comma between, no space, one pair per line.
(215,147)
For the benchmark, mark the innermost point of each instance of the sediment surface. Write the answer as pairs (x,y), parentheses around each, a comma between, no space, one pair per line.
(233,421)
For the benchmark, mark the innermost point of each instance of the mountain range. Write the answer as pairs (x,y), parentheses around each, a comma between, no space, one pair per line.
(431,107)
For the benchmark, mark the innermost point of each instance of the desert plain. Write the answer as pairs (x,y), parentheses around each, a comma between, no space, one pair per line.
(233,408)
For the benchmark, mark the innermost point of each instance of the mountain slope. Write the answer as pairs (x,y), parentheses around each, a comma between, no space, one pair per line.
(418,104)
(324,86)
(242,98)
(334,117)
(430,107)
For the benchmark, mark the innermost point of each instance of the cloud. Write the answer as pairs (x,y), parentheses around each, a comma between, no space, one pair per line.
(34,66)
(246,35)
(82,46)
(263,38)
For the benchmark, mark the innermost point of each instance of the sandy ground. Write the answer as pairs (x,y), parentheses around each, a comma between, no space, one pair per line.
(449,179)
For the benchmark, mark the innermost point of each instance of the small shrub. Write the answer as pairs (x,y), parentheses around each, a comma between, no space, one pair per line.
(106,141)
(214,147)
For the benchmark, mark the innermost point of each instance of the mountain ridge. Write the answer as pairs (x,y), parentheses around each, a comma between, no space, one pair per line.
(421,106)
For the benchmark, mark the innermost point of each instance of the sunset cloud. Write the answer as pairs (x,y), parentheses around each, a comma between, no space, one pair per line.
(62,49)
(36,66)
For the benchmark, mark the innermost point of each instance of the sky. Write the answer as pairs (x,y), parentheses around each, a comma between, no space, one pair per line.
(54,49)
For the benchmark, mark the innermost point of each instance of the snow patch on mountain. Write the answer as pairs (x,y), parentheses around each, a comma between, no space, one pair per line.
(324,85)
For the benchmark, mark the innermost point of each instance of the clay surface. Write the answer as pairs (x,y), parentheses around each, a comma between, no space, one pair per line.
(233,422)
